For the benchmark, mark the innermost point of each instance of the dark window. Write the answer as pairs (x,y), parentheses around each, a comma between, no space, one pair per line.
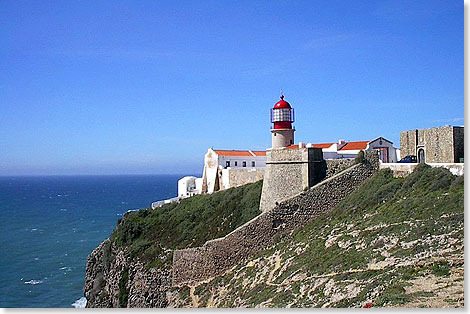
(252,163)
(244,164)
(227,164)
(236,163)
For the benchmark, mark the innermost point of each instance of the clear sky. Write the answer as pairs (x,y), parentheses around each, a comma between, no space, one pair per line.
(146,87)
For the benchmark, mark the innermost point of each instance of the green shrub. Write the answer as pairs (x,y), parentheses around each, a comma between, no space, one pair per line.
(359,158)
(441,268)
(150,234)
(123,292)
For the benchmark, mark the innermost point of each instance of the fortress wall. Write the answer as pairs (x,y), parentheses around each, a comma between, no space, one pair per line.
(408,143)
(289,172)
(238,177)
(290,175)
(194,265)
(440,144)
(334,166)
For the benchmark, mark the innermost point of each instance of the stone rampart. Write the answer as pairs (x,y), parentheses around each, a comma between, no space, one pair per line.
(439,145)
(334,166)
(289,172)
(236,177)
(194,265)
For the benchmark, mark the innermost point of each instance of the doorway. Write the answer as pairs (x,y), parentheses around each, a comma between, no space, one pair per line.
(383,153)
(421,158)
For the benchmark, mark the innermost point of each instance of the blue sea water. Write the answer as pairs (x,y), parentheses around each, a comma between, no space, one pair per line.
(50,224)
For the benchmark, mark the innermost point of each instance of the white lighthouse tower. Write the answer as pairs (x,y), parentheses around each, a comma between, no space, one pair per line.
(288,171)
(282,117)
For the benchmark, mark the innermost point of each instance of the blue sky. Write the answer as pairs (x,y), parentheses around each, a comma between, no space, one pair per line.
(145,87)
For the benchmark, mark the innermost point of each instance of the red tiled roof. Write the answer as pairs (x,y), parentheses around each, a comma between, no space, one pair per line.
(355,145)
(323,145)
(240,153)
(259,153)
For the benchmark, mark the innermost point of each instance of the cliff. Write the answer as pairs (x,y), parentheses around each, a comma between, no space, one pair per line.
(387,242)
(133,267)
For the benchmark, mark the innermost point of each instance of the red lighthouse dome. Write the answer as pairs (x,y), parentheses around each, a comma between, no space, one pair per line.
(282,104)
(282,114)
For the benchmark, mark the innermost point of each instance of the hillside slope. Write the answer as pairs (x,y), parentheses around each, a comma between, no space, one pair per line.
(133,267)
(393,242)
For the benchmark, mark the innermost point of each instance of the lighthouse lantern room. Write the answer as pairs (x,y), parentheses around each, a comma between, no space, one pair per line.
(282,117)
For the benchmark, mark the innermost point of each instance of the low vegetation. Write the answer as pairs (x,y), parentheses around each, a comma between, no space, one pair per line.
(384,245)
(151,234)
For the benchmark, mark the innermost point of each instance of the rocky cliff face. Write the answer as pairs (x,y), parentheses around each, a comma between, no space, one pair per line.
(113,279)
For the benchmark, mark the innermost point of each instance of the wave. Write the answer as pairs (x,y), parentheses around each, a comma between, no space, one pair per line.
(33,282)
(80,303)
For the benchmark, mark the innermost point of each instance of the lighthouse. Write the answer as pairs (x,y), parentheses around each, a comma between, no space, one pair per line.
(282,117)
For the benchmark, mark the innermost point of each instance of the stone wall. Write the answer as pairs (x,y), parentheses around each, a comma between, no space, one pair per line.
(194,265)
(408,143)
(334,166)
(289,172)
(231,178)
(440,145)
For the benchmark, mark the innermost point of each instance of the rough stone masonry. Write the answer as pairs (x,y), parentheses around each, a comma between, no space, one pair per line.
(436,145)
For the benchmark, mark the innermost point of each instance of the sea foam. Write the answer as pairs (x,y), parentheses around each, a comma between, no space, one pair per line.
(33,282)
(80,303)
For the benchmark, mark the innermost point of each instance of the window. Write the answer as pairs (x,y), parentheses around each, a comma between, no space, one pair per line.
(236,163)
(227,164)
(244,164)
(253,164)
(281,115)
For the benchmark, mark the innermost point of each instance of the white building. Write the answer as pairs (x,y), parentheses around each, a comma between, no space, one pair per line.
(189,186)
(343,149)
(224,169)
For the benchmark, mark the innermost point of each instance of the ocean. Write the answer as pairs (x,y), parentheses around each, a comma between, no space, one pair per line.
(50,224)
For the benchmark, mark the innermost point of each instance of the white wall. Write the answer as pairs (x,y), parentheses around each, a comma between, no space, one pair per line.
(260,161)
(392,154)
(186,186)
(403,169)
(198,182)
(211,163)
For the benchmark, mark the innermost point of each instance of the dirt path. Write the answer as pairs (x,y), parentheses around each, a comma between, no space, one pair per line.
(194,298)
